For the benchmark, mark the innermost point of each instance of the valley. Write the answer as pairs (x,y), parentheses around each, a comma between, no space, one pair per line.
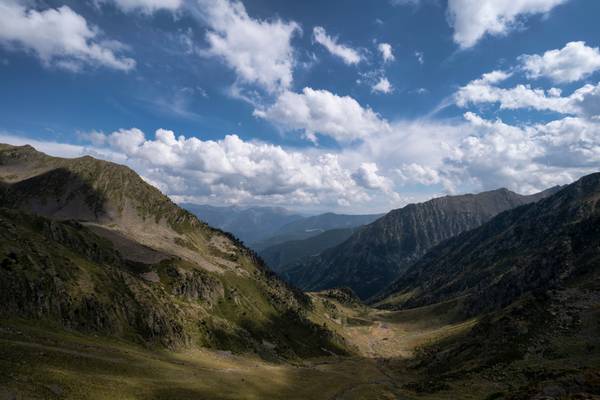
(104,295)
(299,200)
(46,361)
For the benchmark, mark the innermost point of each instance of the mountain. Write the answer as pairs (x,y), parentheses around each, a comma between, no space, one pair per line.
(88,245)
(307,227)
(527,284)
(280,255)
(248,224)
(378,253)
(535,247)
(109,290)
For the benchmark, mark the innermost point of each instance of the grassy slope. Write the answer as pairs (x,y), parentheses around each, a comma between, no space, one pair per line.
(403,355)
(75,277)
(212,291)
(41,361)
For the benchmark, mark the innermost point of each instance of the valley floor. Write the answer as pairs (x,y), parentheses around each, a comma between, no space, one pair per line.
(44,362)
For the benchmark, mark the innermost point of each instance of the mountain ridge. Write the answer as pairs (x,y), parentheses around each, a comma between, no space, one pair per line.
(190,284)
(379,252)
(553,225)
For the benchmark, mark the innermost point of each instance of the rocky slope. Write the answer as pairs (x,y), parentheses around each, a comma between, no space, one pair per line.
(88,244)
(534,247)
(380,252)
(529,282)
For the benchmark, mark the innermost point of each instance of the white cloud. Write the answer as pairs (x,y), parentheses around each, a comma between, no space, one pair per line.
(527,159)
(583,101)
(383,86)
(146,6)
(349,55)
(418,159)
(386,52)
(420,57)
(125,140)
(97,138)
(418,173)
(367,176)
(59,37)
(521,96)
(259,51)
(472,20)
(586,101)
(323,112)
(572,63)
(233,171)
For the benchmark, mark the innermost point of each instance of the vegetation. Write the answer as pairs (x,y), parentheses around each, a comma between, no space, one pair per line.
(109,290)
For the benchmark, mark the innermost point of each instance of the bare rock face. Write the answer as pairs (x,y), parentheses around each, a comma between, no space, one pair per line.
(379,253)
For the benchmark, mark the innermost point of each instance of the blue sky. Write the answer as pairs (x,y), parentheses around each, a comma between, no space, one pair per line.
(338,105)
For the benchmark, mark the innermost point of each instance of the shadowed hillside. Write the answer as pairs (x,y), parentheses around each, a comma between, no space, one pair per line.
(380,252)
(90,245)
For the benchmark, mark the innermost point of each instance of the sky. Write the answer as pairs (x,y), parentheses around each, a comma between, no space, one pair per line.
(345,105)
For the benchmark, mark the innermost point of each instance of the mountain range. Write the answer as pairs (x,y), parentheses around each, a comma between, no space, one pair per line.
(380,252)
(263,227)
(491,266)
(110,290)
(249,224)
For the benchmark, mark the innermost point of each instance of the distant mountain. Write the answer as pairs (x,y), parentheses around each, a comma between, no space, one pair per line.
(380,252)
(312,226)
(280,255)
(534,247)
(250,224)
(88,245)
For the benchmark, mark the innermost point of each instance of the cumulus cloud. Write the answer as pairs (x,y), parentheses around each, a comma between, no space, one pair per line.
(322,112)
(232,170)
(583,101)
(59,37)
(367,176)
(383,86)
(484,90)
(417,173)
(386,52)
(572,63)
(587,101)
(259,51)
(124,140)
(348,55)
(145,6)
(473,20)
(527,158)
(437,156)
